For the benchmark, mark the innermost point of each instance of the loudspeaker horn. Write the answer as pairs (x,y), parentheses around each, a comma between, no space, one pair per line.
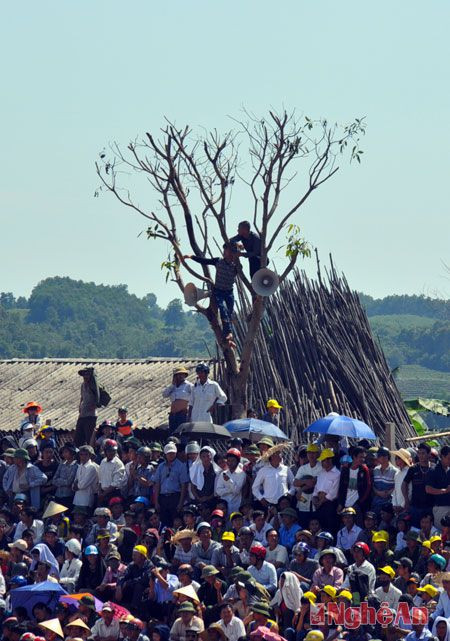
(192,295)
(265,282)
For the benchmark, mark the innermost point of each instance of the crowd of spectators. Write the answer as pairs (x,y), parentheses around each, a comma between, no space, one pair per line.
(175,541)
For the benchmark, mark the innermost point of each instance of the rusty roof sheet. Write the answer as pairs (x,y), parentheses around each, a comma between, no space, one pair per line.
(55,384)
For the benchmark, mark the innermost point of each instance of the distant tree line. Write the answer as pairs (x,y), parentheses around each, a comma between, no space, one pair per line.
(68,318)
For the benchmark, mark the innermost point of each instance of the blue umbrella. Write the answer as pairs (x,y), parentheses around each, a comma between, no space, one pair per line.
(248,426)
(46,592)
(339,425)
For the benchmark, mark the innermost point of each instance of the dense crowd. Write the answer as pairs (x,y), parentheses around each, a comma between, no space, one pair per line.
(175,541)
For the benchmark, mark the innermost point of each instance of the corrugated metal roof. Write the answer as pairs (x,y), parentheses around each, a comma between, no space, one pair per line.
(55,384)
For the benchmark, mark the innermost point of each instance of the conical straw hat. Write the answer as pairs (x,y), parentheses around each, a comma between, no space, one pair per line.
(53,509)
(80,623)
(276,449)
(183,534)
(54,625)
(187,591)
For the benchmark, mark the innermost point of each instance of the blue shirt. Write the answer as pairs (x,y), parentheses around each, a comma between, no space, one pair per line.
(425,634)
(162,595)
(171,477)
(287,537)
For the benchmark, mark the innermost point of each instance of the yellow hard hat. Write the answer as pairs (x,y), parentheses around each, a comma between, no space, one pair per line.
(330,590)
(429,589)
(312,598)
(326,453)
(228,536)
(382,535)
(314,635)
(435,538)
(346,594)
(388,570)
(312,447)
(272,402)
(141,549)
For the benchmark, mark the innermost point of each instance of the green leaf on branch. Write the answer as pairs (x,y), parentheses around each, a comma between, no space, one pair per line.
(296,245)
(169,265)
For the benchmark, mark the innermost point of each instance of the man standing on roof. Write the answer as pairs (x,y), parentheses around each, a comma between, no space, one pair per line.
(87,417)
(251,242)
(180,396)
(204,395)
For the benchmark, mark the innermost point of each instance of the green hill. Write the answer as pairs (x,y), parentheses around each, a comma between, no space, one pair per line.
(68,318)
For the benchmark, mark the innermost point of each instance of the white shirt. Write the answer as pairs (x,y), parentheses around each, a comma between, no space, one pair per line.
(69,574)
(2,585)
(203,397)
(398,500)
(100,629)
(87,480)
(111,473)
(234,630)
(181,392)
(260,535)
(328,482)
(391,597)
(443,606)
(37,528)
(271,483)
(304,504)
(278,555)
(231,490)
(352,490)
(346,538)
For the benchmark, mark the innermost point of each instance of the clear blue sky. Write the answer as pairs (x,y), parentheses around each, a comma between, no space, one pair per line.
(77,75)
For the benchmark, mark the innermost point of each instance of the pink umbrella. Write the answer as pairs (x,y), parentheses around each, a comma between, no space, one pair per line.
(74,599)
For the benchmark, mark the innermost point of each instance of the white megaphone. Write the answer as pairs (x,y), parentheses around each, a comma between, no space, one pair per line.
(265,282)
(192,295)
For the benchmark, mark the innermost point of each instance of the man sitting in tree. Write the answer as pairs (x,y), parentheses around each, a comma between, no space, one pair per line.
(226,272)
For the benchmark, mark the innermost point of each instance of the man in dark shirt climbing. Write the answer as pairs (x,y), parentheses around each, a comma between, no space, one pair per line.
(226,272)
(252,245)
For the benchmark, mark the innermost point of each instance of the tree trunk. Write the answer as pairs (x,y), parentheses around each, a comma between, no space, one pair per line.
(237,390)
(237,371)
(237,382)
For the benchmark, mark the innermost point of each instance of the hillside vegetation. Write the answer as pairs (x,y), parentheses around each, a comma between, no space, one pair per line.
(68,318)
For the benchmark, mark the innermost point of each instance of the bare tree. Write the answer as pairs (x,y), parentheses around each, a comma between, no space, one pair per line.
(194,177)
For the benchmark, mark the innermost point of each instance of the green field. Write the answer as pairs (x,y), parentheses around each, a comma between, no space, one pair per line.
(414,381)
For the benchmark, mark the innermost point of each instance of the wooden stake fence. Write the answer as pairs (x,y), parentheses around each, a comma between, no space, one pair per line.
(316,354)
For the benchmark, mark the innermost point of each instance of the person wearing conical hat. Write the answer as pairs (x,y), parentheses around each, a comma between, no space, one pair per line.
(52,629)
(179,393)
